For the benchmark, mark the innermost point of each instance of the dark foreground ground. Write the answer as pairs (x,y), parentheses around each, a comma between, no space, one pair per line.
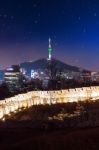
(69,139)
(70,126)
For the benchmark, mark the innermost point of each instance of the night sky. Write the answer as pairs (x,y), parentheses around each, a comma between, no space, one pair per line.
(73,25)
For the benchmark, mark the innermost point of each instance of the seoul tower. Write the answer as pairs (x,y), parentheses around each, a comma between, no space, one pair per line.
(49,50)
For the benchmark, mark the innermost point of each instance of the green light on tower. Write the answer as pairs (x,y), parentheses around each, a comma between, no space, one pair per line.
(49,50)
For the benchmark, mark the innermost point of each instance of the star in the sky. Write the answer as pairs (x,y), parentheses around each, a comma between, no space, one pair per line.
(5,15)
(95,14)
(79,18)
(35,21)
(39,14)
(12,17)
(35,5)
(84,30)
(29,33)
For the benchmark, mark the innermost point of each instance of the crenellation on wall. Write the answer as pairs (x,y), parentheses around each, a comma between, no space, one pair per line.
(26,100)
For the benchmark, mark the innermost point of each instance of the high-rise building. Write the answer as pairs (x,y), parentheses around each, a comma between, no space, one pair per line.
(13,78)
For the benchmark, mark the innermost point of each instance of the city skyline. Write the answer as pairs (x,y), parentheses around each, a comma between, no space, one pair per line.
(72,25)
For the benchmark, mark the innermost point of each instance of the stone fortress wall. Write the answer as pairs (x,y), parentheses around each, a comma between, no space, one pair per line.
(18,102)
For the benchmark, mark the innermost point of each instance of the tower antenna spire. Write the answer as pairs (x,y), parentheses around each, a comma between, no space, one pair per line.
(49,50)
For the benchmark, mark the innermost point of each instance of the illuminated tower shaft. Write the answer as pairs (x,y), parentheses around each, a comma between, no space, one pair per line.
(50,50)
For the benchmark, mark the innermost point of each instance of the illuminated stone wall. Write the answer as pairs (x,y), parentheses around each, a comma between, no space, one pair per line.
(18,102)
